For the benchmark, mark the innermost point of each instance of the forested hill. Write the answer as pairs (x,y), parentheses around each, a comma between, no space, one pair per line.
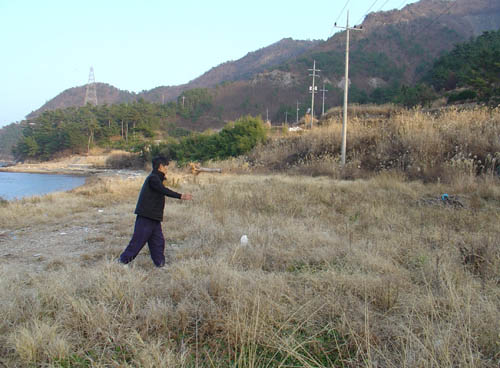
(243,68)
(9,136)
(471,71)
(395,48)
(106,94)
(398,47)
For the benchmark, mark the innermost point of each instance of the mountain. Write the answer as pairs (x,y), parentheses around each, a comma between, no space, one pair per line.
(106,94)
(400,45)
(415,35)
(469,17)
(395,47)
(243,68)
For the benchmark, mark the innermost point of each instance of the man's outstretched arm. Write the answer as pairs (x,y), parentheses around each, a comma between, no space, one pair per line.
(156,184)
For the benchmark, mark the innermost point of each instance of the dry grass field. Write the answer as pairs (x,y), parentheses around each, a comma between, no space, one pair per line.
(372,272)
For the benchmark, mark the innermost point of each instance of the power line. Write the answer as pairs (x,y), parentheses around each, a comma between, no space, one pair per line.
(384,4)
(340,14)
(400,6)
(342,11)
(427,26)
(370,8)
(447,11)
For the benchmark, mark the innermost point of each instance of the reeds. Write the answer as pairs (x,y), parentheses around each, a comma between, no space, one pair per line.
(438,146)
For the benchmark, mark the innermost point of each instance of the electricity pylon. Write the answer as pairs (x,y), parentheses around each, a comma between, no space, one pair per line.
(91,92)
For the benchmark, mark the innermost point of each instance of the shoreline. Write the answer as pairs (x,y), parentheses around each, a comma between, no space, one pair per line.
(78,165)
(84,171)
(73,172)
(50,171)
(65,168)
(47,171)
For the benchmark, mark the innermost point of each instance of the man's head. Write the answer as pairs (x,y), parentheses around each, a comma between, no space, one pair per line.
(160,163)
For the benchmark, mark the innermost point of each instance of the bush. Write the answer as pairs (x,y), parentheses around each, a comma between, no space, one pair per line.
(462,96)
(235,139)
(125,161)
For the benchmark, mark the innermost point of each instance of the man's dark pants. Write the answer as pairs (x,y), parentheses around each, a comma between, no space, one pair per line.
(146,231)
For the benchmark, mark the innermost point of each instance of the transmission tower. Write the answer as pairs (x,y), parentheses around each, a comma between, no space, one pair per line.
(91,92)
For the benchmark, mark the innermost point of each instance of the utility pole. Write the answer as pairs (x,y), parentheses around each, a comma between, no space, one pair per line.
(183,98)
(313,89)
(267,115)
(323,90)
(346,87)
(297,120)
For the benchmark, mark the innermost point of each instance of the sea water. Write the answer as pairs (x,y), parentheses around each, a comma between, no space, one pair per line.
(21,185)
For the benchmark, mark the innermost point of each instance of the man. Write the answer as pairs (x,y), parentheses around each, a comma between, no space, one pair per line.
(149,211)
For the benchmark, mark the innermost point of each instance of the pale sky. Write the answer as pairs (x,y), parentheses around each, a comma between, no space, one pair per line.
(49,46)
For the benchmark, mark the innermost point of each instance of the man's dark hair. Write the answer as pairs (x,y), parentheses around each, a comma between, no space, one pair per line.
(159,160)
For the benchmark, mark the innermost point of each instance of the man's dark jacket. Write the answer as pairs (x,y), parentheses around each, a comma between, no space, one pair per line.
(151,200)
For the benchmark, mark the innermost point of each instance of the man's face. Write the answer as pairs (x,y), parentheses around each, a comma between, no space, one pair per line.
(162,168)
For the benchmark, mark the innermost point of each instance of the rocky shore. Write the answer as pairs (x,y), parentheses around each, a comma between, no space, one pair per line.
(73,165)
(6,163)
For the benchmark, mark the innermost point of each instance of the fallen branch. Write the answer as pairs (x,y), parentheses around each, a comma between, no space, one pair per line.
(196,169)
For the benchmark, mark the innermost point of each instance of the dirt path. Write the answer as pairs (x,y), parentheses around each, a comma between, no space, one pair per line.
(96,231)
(38,248)
(93,233)
(90,234)
(76,239)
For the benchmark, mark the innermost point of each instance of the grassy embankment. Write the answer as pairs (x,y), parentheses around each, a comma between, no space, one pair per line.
(375,272)
(428,147)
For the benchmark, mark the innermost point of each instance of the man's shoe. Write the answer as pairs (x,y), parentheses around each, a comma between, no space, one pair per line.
(119,261)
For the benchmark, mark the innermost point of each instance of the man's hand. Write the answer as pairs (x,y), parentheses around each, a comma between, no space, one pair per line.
(186,196)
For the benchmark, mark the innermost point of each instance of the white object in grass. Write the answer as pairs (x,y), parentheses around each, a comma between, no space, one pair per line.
(244,240)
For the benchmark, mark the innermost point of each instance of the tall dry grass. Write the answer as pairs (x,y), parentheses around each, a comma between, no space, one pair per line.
(427,146)
(367,273)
